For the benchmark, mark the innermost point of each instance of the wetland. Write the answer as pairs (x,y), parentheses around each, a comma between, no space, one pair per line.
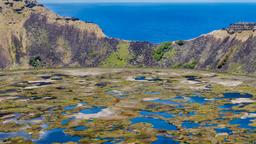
(124,106)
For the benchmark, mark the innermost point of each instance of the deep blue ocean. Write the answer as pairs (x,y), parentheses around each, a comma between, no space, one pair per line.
(158,22)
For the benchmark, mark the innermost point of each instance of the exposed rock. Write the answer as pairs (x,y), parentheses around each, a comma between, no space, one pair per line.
(241,26)
(29,30)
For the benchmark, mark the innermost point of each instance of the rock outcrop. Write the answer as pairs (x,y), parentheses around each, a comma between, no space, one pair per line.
(33,36)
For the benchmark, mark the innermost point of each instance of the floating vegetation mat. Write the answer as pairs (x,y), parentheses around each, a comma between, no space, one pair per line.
(112,106)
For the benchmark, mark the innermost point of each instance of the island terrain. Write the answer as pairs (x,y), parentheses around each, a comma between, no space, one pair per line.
(64,81)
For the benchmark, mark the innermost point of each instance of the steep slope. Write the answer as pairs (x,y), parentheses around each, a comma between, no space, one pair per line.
(30,34)
(33,36)
(218,50)
(29,30)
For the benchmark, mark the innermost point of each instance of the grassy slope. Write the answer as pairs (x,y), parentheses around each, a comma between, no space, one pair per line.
(120,58)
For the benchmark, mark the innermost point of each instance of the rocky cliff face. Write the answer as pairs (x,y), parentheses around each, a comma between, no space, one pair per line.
(219,51)
(30,32)
(32,36)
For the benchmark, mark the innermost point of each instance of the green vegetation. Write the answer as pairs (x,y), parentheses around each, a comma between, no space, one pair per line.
(159,52)
(170,54)
(223,62)
(120,58)
(180,42)
(226,57)
(190,65)
(235,68)
(35,62)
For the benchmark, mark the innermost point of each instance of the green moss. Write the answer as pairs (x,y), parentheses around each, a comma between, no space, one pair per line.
(120,58)
(159,51)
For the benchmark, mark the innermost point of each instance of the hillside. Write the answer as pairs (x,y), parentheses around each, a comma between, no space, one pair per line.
(219,51)
(33,36)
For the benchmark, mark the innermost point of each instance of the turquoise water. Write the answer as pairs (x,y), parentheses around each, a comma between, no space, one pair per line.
(158,22)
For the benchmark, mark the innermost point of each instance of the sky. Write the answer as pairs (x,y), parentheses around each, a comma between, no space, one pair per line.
(167,1)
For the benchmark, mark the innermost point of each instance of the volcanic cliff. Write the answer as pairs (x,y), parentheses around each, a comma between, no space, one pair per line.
(33,36)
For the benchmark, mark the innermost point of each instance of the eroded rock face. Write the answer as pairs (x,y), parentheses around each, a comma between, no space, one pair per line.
(62,45)
(30,30)
(219,51)
(142,54)
(33,31)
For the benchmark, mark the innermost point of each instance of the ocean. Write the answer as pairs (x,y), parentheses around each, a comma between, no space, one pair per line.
(158,22)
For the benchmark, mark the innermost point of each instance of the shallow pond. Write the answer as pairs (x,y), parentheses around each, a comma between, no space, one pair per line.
(144,78)
(164,140)
(197,99)
(92,110)
(237,95)
(156,123)
(223,130)
(22,134)
(189,124)
(56,135)
(228,106)
(80,128)
(152,93)
(66,121)
(70,107)
(243,123)
(193,78)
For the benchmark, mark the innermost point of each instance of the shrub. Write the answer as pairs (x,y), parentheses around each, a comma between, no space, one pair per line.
(161,50)
(35,62)
(180,42)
